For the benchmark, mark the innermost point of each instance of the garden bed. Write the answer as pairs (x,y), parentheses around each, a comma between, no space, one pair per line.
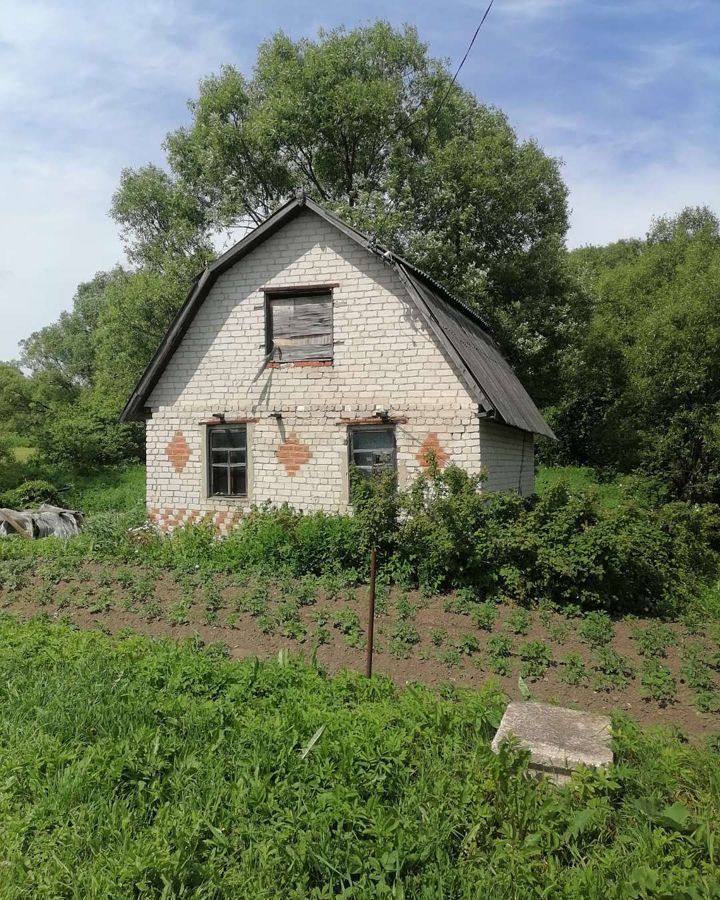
(660,673)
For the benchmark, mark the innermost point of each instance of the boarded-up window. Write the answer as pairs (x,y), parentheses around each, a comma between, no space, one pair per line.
(372,449)
(227,461)
(300,327)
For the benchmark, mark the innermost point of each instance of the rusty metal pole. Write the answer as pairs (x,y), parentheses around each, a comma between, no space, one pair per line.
(371,614)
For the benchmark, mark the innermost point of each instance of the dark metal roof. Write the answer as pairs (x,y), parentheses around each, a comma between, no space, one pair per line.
(466,338)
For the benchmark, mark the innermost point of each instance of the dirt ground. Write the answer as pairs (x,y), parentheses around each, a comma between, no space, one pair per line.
(216,610)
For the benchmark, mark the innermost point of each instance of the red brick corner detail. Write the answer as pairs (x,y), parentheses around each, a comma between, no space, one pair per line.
(431,445)
(178,451)
(293,454)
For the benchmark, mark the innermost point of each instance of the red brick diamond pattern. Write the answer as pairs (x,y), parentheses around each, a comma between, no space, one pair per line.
(431,447)
(292,454)
(178,451)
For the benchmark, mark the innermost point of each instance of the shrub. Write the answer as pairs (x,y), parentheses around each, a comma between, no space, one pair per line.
(31,494)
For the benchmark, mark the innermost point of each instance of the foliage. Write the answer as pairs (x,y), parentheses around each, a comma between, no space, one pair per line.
(612,670)
(654,639)
(132,766)
(641,387)
(366,122)
(536,657)
(563,548)
(596,629)
(657,682)
(573,669)
(31,494)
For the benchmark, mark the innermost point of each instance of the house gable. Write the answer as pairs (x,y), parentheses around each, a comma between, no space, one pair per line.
(464,338)
(384,352)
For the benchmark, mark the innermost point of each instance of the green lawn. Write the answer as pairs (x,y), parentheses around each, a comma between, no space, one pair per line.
(578,478)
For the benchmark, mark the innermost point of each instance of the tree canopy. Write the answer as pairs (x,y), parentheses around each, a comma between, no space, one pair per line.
(642,387)
(367,123)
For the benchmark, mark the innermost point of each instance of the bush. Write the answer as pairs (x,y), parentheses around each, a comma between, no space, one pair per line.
(564,547)
(31,494)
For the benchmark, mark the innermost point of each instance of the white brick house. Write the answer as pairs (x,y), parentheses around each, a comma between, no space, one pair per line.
(305,349)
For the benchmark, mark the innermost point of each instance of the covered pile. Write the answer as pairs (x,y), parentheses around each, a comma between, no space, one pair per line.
(44,522)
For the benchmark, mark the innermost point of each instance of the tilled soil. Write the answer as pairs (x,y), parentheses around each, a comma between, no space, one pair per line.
(94,598)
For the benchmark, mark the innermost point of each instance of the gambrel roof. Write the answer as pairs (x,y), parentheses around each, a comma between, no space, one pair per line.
(464,336)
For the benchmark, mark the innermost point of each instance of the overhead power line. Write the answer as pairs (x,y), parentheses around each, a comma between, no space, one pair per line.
(462,63)
(445,96)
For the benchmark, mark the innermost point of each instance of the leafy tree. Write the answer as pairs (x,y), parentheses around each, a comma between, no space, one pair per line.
(139,307)
(64,351)
(367,123)
(642,388)
(16,401)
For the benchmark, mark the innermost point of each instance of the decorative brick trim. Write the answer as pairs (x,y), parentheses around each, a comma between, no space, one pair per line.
(167,520)
(292,454)
(431,445)
(375,420)
(178,452)
(301,364)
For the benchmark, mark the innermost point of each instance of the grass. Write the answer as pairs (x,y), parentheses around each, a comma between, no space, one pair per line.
(23,454)
(578,478)
(131,768)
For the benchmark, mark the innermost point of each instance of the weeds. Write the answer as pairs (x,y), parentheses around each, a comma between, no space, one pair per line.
(115,760)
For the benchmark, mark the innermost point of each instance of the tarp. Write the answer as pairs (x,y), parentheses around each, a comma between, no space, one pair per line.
(45,522)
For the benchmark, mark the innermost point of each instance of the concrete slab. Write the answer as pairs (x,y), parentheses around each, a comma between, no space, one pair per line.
(559,739)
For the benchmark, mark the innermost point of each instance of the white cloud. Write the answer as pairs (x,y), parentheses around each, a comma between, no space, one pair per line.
(610,202)
(86,88)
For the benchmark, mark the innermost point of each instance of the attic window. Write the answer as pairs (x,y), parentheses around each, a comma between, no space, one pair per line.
(299,326)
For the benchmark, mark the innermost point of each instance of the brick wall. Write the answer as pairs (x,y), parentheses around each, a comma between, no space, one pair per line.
(508,457)
(383,355)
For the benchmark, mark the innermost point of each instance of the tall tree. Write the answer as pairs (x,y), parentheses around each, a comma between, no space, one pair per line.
(368,123)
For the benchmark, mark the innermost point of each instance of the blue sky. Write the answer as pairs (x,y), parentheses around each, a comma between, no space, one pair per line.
(624,91)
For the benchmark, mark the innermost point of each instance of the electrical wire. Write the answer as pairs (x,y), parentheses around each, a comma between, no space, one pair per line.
(445,96)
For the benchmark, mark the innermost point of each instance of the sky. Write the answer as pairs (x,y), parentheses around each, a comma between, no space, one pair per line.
(625,92)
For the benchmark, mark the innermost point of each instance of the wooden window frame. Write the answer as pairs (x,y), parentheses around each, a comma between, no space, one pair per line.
(353,429)
(210,430)
(286,293)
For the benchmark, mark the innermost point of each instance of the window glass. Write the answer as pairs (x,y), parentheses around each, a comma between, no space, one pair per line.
(300,327)
(227,470)
(372,449)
